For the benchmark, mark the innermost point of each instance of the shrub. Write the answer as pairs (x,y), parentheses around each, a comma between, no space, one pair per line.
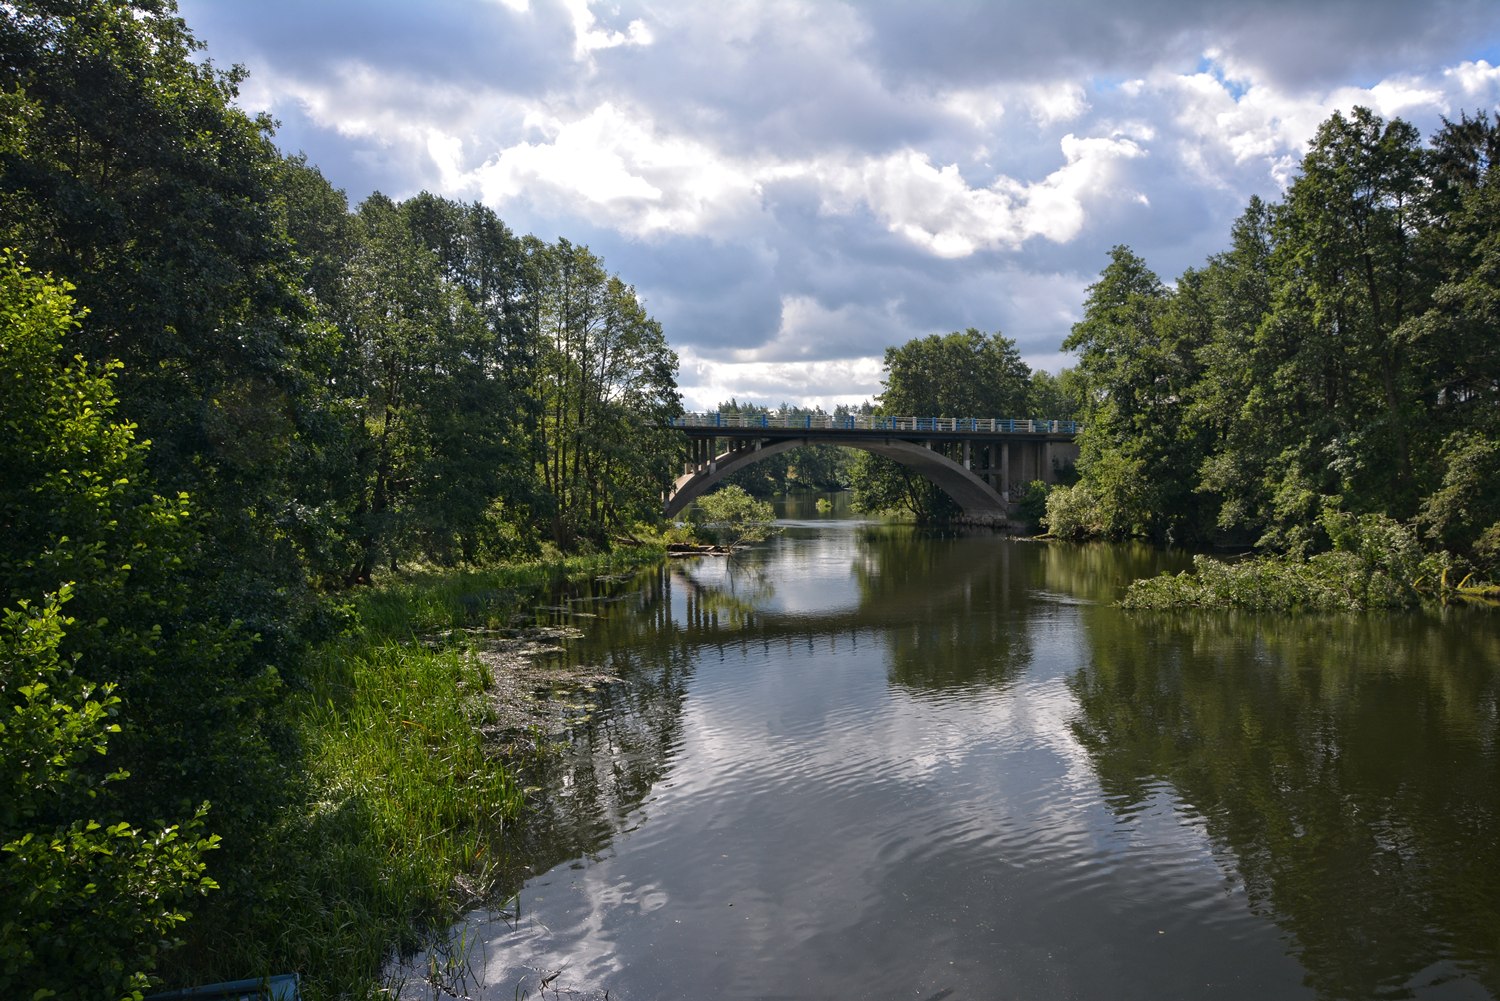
(190,708)
(1072,513)
(1031,508)
(1377,563)
(90,900)
(731,517)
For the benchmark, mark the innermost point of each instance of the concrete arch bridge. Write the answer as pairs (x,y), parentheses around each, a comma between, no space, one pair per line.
(979,462)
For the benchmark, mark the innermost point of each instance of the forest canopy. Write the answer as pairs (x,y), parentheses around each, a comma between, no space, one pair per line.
(1340,356)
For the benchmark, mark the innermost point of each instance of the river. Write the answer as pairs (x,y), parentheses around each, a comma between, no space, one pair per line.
(868,761)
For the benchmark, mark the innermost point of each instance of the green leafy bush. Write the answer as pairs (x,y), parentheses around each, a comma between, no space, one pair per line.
(78,509)
(731,517)
(1032,506)
(89,900)
(1378,563)
(1072,513)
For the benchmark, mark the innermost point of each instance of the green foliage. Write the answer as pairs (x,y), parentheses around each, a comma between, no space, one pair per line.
(429,381)
(1376,563)
(607,384)
(90,901)
(968,374)
(1072,513)
(1055,397)
(339,393)
(74,502)
(410,802)
(883,486)
(77,505)
(409,806)
(1139,451)
(1032,507)
(1467,502)
(1341,351)
(731,517)
(1487,551)
(129,172)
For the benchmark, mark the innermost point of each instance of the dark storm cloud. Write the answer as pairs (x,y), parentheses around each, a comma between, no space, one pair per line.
(1295,43)
(455,41)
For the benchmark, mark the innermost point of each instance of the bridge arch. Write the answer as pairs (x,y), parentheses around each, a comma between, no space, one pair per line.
(979,501)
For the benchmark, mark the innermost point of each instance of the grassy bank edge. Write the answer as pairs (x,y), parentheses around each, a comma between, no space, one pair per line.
(407,806)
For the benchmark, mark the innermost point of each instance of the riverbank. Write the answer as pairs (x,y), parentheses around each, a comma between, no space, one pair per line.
(406,720)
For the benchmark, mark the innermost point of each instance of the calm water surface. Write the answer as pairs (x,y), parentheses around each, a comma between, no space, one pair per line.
(864,761)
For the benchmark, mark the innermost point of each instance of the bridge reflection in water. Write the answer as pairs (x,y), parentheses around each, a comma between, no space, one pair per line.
(980,462)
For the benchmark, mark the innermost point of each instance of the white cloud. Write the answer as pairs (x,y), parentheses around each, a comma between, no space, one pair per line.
(978,108)
(588,38)
(1479,81)
(1046,103)
(1052,103)
(1232,119)
(1405,97)
(888,174)
(615,169)
(936,209)
(707,382)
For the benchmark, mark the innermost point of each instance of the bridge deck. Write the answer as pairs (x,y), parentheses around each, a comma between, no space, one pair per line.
(720,425)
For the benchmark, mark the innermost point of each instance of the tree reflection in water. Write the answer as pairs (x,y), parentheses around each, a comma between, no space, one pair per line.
(1345,773)
(1348,765)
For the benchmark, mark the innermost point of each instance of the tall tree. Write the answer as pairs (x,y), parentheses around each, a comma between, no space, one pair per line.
(1232,401)
(126,169)
(607,387)
(1348,280)
(436,442)
(962,374)
(1136,345)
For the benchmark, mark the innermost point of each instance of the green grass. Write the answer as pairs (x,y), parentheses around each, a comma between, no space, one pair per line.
(428,601)
(407,805)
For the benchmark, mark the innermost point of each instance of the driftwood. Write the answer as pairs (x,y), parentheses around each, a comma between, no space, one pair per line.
(697,549)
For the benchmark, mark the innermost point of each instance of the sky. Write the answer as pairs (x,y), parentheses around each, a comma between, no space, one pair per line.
(792,186)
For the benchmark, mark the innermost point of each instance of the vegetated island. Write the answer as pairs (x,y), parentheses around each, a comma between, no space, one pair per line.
(1376,563)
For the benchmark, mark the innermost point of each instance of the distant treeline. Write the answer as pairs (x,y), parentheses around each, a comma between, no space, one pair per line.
(1340,359)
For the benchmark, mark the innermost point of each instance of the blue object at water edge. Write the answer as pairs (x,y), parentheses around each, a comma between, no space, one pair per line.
(286,987)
